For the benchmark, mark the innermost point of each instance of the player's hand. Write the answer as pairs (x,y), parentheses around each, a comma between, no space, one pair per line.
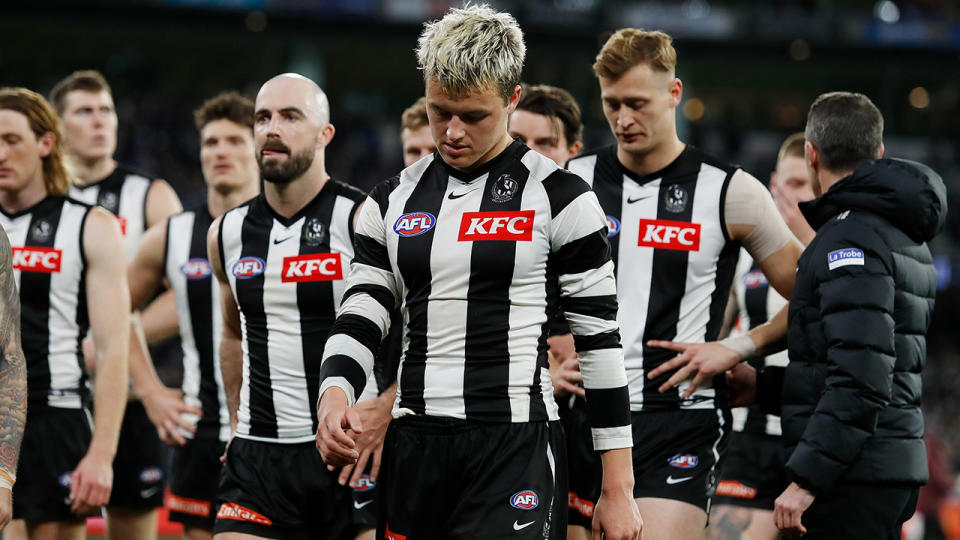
(616,517)
(701,361)
(335,444)
(91,483)
(375,416)
(567,378)
(165,408)
(742,385)
(789,508)
(6,507)
(792,216)
(562,347)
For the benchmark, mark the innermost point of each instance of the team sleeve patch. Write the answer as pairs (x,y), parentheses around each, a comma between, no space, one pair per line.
(844,257)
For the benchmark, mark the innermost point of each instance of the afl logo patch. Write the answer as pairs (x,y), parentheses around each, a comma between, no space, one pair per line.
(248,267)
(196,268)
(504,189)
(525,500)
(365,484)
(613,226)
(414,223)
(684,461)
(675,199)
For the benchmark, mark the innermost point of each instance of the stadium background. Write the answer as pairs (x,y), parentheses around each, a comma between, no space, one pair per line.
(750,70)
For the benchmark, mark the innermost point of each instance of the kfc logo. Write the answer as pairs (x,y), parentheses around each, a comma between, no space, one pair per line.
(35,259)
(312,267)
(679,235)
(516,226)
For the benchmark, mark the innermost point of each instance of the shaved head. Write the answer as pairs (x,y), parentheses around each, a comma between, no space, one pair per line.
(299,90)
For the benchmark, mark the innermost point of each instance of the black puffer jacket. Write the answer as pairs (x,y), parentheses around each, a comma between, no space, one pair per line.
(859,314)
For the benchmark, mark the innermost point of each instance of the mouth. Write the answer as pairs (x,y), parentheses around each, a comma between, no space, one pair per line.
(628,137)
(222,168)
(4,172)
(455,150)
(99,139)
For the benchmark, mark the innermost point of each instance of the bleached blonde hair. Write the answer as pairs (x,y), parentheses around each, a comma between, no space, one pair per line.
(473,47)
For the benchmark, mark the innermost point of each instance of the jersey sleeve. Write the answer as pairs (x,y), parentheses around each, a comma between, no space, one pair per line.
(582,260)
(372,292)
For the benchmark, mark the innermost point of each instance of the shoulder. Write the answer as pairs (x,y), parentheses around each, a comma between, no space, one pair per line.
(586,163)
(694,155)
(380,194)
(851,239)
(345,190)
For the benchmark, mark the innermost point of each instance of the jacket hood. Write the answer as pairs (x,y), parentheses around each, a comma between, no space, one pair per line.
(908,194)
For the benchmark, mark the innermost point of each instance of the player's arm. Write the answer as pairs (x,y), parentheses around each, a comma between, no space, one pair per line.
(231,351)
(109,314)
(13,381)
(164,405)
(362,322)
(581,255)
(161,202)
(160,320)
(753,221)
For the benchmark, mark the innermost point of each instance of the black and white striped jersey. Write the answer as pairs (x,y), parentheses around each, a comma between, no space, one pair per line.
(757,302)
(124,194)
(477,262)
(674,263)
(201,321)
(49,267)
(286,276)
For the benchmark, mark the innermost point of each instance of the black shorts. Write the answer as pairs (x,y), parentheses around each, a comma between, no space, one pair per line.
(676,454)
(455,479)
(138,474)
(54,442)
(275,490)
(194,479)
(365,505)
(754,471)
(584,464)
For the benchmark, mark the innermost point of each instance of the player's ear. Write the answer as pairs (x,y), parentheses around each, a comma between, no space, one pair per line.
(326,135)
(46,142)
(514,99)
(676,91)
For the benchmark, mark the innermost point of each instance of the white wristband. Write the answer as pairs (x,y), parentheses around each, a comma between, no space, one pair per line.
(741,345)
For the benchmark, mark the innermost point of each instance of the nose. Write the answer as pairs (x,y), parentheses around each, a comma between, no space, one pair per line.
(623,118)
(455,129)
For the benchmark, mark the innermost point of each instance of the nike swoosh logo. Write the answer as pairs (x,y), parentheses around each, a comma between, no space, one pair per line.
(360,505)
(453,195)
(671,480)
(517,526)
(281,240)
(150,492)
(631,201)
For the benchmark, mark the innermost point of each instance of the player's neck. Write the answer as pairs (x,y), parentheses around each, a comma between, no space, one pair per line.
(16,201)
(289,198)
(497,149)
(88,171)
(656,159)
(219,201)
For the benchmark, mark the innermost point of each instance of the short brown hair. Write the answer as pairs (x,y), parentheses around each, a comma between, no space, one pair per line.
(554,102)
(629,47)
(415,116)
(225,106)
(845,128)
(792,147)
(87,80)
(42,119)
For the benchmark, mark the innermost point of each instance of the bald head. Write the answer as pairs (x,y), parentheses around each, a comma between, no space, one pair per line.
(294,91)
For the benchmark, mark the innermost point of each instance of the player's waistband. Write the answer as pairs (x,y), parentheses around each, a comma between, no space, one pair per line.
(449,425)
(60,398)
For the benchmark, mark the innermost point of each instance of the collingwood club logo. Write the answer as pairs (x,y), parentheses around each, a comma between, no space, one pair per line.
(504,188)
(41,231)
(675,199)
(314,233)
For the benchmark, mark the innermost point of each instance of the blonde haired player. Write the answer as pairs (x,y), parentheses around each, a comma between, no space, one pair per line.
(461,241)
